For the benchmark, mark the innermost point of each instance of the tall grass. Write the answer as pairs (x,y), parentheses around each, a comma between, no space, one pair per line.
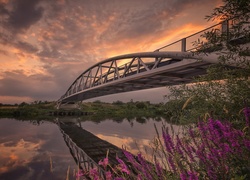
(213,149)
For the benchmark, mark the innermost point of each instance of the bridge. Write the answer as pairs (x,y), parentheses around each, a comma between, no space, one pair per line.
(174,64)
(87,149)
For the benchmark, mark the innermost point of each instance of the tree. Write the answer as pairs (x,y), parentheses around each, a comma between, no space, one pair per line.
(224,90)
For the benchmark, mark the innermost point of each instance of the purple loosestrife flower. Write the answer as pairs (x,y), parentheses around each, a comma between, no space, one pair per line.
(145,167)
(192,175)
(211,174)
(189,152)
(178,146)
(183,176)
(131,159)
(80,173)
(168,141)
(247,144)
(94,173)
(104,163)
(139,177)
(159,170)
(214,157)
(201,153)
(171,162)
(192,135)
(185,147)
(108,175)
(246,111)
(122,166)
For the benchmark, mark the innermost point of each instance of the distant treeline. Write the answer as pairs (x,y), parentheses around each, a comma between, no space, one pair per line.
(99,110)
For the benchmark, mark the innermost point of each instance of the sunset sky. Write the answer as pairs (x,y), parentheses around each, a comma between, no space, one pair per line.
(46,44)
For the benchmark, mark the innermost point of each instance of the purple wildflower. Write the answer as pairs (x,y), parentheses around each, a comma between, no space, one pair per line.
(178,146)
(171,162)
(192,135)
(104,163)
(131,159)
(159,170)
(192,175)
(189,152)
(246,111)
(139,177)
(122,166)
(168,141)
(145,167)
(247,144)
(183,176)
(108,175)
(94,173)
(80,173)
(211,174)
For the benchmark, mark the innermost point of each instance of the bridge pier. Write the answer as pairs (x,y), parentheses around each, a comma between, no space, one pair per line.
(67,105)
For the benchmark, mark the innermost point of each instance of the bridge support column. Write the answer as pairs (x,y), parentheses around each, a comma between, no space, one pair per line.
(183,45)
(67,105)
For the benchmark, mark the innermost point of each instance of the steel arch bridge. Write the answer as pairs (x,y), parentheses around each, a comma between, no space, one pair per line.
(144,70)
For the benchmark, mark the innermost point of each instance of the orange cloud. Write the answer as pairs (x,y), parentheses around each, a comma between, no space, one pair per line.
(18,154)
(126,142)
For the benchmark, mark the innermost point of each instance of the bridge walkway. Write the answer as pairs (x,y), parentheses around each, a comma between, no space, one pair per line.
(95,148)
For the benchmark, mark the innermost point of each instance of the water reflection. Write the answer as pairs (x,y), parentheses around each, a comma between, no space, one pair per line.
(32,152)
(135,134)
(36,149)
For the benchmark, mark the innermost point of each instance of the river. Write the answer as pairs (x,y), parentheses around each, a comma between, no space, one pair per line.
(32,149)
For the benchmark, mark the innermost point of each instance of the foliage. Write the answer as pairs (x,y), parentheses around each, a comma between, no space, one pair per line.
(226,84)
(212,150)
(120,110)
(34,109)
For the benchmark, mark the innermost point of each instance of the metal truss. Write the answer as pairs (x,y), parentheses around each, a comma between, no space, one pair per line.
(136,71)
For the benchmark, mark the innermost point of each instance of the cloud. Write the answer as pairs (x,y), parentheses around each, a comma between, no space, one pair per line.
(26,47)
(23,14)
(26,151)
(19,84)
(57,40)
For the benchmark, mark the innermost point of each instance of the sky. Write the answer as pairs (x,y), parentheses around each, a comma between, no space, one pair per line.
(46,44)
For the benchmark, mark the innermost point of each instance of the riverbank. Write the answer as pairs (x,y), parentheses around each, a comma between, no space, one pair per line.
(97,110)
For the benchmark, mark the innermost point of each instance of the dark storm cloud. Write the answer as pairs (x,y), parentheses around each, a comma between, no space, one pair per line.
(40,86)
(151,17)
(47,52)
(19,84)
(24,14)
(17,43)
(76,19)
(3,10)
(25,46)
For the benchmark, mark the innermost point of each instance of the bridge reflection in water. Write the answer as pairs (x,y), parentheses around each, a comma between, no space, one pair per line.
(87,149)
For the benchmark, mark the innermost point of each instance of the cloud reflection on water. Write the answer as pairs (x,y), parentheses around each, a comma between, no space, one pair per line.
(26,150)
(123,134)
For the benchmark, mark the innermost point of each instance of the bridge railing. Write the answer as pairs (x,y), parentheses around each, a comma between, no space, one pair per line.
(195,41)
(82,159)
(188,43)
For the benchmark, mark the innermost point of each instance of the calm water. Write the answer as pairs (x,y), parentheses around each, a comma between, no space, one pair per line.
(37,150)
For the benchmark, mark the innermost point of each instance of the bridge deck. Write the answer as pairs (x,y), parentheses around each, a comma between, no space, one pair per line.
(93,146)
